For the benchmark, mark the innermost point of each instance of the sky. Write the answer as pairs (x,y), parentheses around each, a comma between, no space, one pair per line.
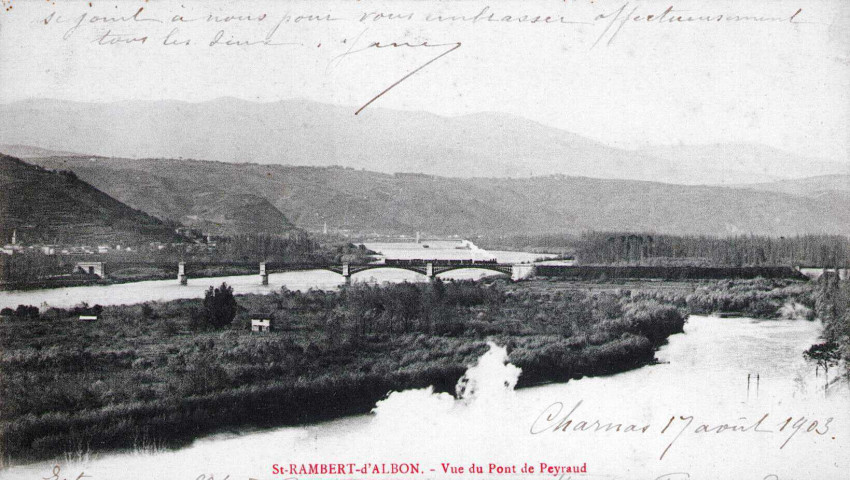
(593,70)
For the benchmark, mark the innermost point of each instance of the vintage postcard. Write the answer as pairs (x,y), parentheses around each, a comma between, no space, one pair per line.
(424,239)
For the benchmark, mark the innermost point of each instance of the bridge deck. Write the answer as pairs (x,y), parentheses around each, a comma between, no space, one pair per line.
(419,266)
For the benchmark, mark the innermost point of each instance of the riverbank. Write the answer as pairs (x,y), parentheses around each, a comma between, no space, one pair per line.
(125,276)
(129,275)
(150,374)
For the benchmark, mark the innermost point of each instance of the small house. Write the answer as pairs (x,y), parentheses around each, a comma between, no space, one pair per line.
(261,325)
(88,318)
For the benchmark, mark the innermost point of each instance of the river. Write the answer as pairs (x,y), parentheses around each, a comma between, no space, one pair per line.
(165,290)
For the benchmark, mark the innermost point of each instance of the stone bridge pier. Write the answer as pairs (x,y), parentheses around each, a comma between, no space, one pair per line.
(346,272)
(181,273)
(521,271)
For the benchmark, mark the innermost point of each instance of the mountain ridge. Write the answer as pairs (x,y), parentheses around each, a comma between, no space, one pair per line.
(371,202)
(302,132)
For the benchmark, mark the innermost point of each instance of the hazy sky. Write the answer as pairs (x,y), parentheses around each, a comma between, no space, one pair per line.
(780,83)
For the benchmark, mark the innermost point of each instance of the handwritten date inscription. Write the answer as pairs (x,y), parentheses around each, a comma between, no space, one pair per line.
(557,419)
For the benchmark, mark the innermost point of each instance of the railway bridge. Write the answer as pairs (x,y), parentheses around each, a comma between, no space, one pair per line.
(428,268)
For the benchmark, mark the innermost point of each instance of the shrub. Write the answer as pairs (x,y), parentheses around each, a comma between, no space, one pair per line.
(23,312)
(148,311)
(219,306)
(446,322)
(796,311)
(84,309)
(55,314)
(654,320)
(759,298)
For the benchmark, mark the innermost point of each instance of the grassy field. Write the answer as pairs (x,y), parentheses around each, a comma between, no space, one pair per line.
(154,374)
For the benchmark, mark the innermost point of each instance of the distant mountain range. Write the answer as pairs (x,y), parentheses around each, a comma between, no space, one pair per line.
(825,186)
(28,151)
(42,206)
(304,133)
(364,201)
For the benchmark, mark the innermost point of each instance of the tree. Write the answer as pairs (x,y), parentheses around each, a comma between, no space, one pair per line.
(824,355)
(26,312)
(832,307)
(219,306)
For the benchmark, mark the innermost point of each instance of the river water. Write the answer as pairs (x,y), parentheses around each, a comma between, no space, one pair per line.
(164,290)
(730,371)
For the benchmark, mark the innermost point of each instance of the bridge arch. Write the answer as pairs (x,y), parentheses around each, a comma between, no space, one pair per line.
(428,270)
(504,270)
(410,268)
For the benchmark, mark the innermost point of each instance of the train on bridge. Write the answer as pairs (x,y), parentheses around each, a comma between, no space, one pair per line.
(400,262)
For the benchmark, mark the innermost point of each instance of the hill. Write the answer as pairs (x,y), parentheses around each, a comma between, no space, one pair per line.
(27,151)
(814,187)
(364,201)
(56,207)
(197,198)
(300,132)
(232,213)
(741,163)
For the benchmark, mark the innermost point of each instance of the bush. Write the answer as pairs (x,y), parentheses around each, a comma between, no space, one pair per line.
(654,320)
(758,298)
(23,312)
(53,314)
(219,306)
(84,309)
(446,322)
(148,311)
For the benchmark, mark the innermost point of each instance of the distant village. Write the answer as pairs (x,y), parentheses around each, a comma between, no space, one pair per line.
(194,241)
